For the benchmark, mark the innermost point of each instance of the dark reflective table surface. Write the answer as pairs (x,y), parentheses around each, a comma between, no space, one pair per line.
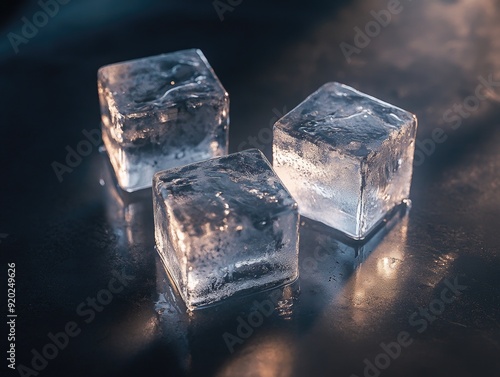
(420,298)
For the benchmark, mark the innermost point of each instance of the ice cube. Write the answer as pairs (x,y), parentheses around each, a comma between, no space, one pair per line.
(161,112)
(346,157)
(225,226)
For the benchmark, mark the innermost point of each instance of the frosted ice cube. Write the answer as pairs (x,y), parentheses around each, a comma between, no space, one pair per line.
(346,157)
(224,226)
(161,112)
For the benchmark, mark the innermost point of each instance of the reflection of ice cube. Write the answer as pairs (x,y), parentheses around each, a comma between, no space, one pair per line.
(216,329)
(129,217)
(225,225)
(337,268)
(346,157)
(161,112)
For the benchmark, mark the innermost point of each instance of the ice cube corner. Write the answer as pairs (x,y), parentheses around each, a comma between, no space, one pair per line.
(346,157)
(160,112)
(225,226)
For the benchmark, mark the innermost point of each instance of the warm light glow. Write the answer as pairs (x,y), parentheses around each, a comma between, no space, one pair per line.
(387,267)
(377,281)
(271,357)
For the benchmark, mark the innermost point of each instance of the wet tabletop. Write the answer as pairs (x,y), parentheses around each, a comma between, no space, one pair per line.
(420,298)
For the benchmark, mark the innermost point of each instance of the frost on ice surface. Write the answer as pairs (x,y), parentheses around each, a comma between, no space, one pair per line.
(161,112)
(346,157)
(225,225)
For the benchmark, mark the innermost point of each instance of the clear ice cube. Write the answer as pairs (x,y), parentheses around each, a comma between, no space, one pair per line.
(225,226)
(346,157)
(160,112)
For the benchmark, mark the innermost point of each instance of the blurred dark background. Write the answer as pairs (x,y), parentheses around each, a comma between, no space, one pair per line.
(432,58)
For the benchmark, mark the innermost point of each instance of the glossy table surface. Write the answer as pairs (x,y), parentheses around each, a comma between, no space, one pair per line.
(421,298)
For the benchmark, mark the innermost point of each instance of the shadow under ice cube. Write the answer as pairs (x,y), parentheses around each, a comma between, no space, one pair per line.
(346,157)
(225,226)
(160,112)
